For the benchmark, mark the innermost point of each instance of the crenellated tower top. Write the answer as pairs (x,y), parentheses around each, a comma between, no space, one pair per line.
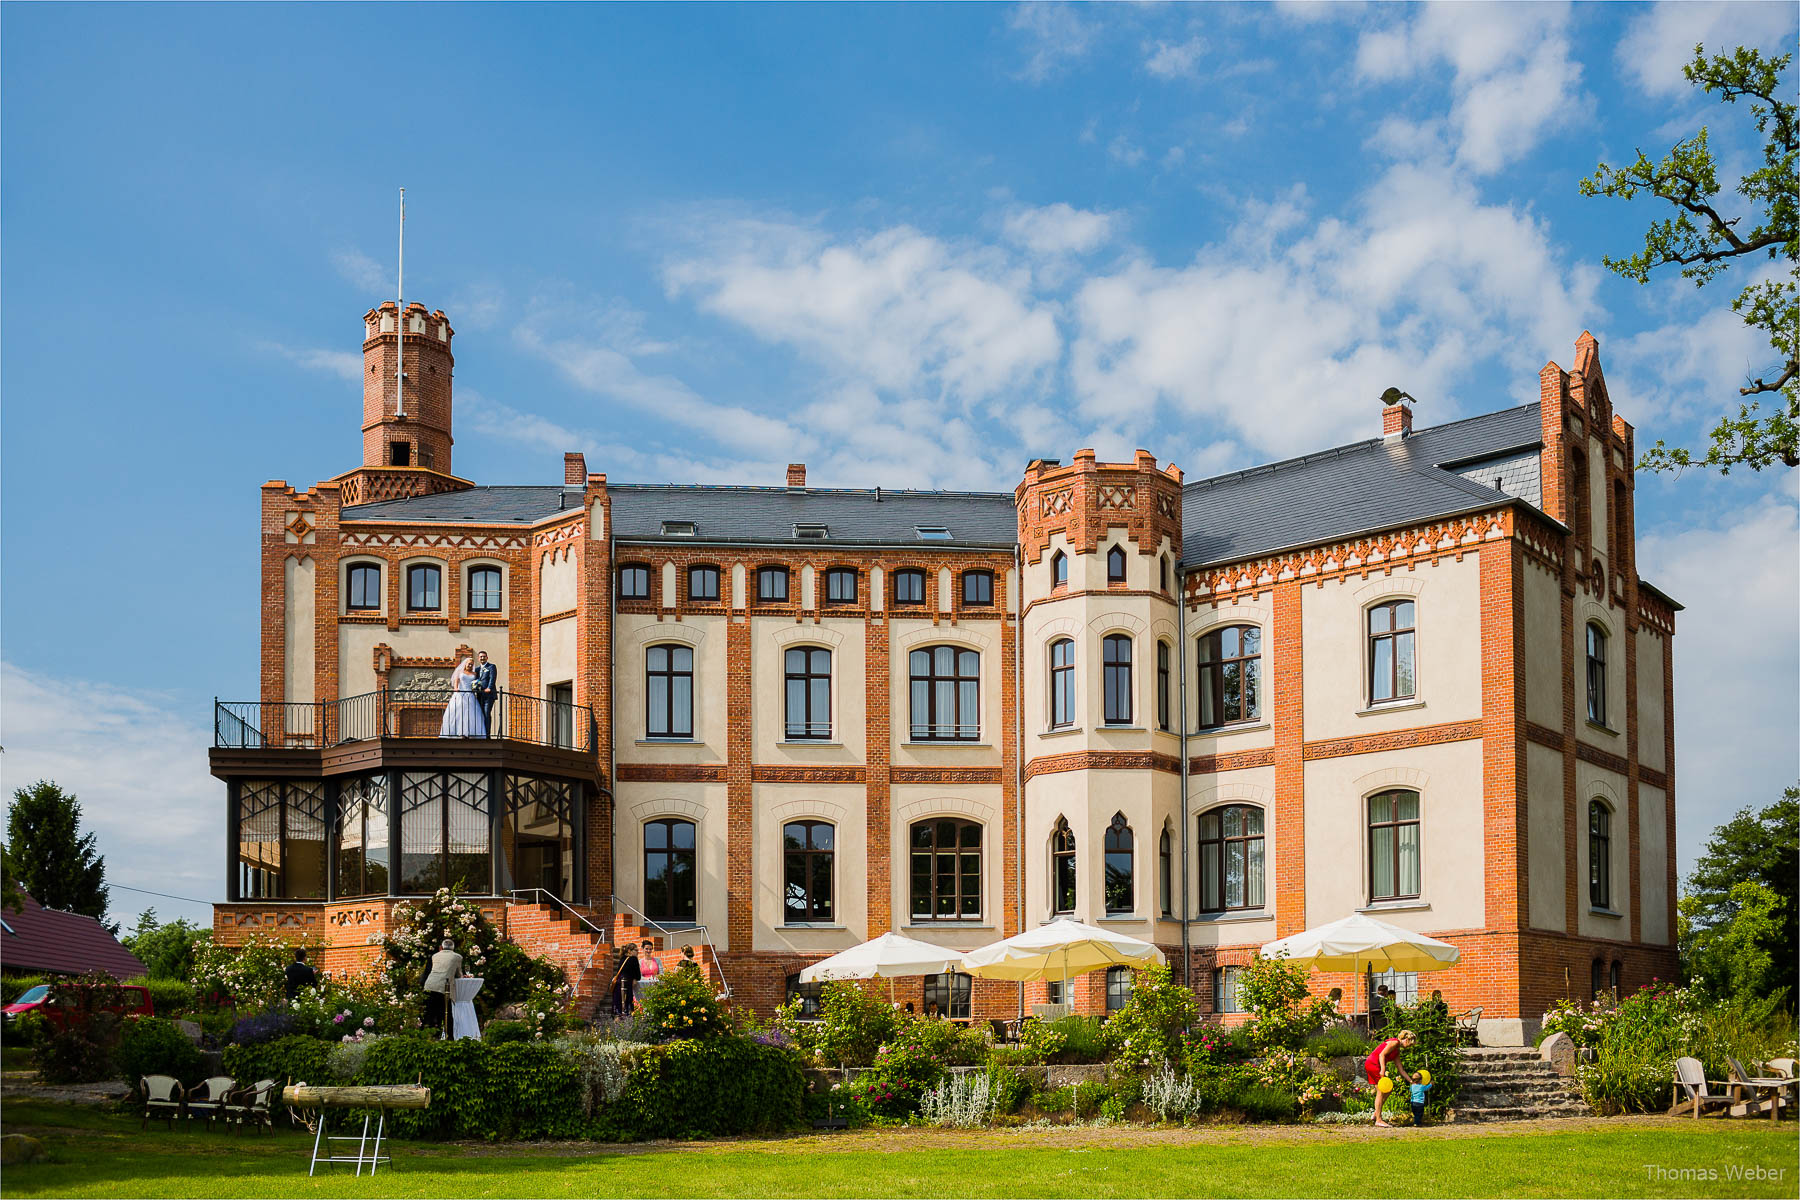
(1086,498)
(410,428)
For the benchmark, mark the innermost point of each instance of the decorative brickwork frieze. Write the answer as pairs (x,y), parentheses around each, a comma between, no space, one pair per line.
(1085,499)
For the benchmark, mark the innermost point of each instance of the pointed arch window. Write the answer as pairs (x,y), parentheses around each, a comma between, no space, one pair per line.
(1119,873)
(1059,569)
(1165,874)
(1162,685)
(1062,867)
(1115,565)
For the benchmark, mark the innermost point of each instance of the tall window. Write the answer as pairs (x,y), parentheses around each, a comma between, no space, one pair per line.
(1597,977)
(561,699)
(423,585)
(948,995)
(1599,854)
(978,589)
(1225,990)
(1119,982)
(362,845)
(1062,683)
(1596,674)
(946,870)
(445,832)
(669,870)
(840,585)
(1621,526)
(1062,867)
(772,585)
(484,589)
(808,677)
(909,586)
(1115,654)
(1165,872)
(1391,651)
(1230,675)
(281,847)
(808,994)
(946,694)
(1394,846)
(1231,858)
(1162,572)
(365,587)
(1162,686)
(1119,889)
(808,849)
(634,581)
(1115,565)
(703,583)
(1580,521)
(1403,984)
(669,691)
(1059,569)
(1613,975)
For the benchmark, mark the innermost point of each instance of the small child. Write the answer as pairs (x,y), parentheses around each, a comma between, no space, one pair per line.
(1418,1103)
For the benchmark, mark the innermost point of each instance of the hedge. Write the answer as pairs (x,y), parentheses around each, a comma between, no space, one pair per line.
(153,1046)
(293,1059)
(689,1089)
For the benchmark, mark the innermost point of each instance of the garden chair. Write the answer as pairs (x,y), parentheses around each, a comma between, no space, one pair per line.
(1783,1067)
(162,1098)
(1691,1085)
(252,1105)
(1468,1028)
(1752,1087)
(212,1095)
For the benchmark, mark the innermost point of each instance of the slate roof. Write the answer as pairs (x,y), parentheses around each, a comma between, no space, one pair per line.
(850,515)
(480,505)
(1354,489)
(43,939)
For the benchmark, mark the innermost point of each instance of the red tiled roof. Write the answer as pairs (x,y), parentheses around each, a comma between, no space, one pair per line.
(43,939)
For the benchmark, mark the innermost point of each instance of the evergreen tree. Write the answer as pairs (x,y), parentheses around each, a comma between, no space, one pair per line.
(52,859)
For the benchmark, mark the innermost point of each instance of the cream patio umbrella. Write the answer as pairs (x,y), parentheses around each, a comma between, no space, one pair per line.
(1060,950)
(888,957)
(1357,944)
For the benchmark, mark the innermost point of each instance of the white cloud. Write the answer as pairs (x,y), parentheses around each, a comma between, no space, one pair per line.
(1174,60)
(1054,36)
(1125,152)
(1058,229)
(139,769)
(1737,654)
(359,269)
(1661,39)
(345,364)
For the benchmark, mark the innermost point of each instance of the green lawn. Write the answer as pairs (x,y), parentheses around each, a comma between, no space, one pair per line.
(99,1154)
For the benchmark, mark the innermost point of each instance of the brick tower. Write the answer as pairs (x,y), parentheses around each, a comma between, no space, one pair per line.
(406,438)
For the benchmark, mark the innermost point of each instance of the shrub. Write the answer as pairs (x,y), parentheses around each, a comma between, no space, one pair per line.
(1437,1050)
(1338,1042)
(1260,1102)
(1121,1094)
(1274,991)
(854,1024)
(498,1032)
(14,986)
(1148,1030)
(724,1085)
(1170,1096)
(1007,1088)
(683,1006)
(602,1067)
(956,1045)
(81,1051)
(294,1059)
(168,997)
(822,1106)
(1210,1047)
(519,1090)
(963,1101)
(1070,1039)
(153,1046)
(254,975)
(1085,1101)
(511,976)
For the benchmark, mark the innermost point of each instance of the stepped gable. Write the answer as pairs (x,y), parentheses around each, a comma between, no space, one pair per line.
(1382,483)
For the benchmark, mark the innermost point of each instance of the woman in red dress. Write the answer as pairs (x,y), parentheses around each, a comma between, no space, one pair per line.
(1375,1066)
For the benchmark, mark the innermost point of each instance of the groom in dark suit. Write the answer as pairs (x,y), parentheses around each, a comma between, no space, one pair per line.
(486,689)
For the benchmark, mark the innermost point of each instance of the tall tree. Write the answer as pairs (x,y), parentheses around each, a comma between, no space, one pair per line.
(1702,240)
(167,951)
(1743,901)
(54,860)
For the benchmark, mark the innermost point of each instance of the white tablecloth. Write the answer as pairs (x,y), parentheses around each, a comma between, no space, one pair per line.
(462,1008)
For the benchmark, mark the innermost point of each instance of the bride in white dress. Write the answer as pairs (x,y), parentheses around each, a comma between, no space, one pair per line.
(462,716)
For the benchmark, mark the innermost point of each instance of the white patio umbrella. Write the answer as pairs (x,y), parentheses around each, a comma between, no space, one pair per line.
(1060,950)
(1358,943)
(888,957)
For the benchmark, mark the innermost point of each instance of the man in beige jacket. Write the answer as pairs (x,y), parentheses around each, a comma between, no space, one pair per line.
(446,968)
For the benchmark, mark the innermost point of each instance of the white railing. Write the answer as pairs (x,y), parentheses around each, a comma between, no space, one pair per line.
(552,899)
(665,932)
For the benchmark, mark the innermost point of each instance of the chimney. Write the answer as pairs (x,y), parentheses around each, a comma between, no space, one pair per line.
(574,469)
(1396,420)
(796,475)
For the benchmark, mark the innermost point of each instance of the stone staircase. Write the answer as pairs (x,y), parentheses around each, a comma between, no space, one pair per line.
(1514,1083)
(588,959)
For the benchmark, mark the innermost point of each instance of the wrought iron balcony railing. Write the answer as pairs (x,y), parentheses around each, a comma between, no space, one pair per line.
(393,713)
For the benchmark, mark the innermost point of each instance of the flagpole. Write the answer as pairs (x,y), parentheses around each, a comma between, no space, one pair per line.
(400,318)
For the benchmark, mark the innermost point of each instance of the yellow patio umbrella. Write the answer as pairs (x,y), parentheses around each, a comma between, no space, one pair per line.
(1060,950)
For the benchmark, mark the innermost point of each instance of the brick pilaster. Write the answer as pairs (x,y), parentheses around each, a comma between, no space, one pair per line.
(1503,767)
(740,877)
(880,752)
(1290,765)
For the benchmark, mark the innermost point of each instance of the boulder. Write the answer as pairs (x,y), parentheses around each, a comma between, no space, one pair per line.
(1559,1051)
(16,1148)
(194,1032)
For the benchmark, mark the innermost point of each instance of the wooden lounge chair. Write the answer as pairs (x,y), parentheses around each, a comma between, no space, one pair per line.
(1784,1067)
(252,1105)
(162,1098)
(1691,1085)
(1752,1089)
(1468,1027)
(209,1102)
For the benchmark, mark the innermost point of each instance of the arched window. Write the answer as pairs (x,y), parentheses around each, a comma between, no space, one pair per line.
(669,691)
(808,848)
(1062,683)
(808,994)
(1230,675)
(1115,565)
(1119,889)
(1162,572)
(1597,977)
(1165,855)
(1062,867)
(946,870)
(1394,846)
(808,679)
(484,590)
(978,589)
(1613,977)
(1580,523)
(909,586)
(1391,651)
(634,581)
(1119,981)
(703,583)
(772,585)
(1599,854)
(946,694)
(365,587)
(1115,654)
(1162,686)
(1059,569)
(1231,858)
(840,585)
(948,995)
(423,588)
(669,870)
(1596,674)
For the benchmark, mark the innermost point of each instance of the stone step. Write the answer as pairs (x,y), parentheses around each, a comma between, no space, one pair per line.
(1484,1116)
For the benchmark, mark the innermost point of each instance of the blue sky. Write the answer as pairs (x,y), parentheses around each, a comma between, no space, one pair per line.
(907,245)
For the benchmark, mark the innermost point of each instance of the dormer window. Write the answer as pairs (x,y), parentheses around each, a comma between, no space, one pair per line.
(932,533)
(811,532)
(679,528)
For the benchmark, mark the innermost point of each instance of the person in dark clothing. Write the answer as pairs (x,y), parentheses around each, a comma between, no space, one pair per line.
(299,975)
(625,982)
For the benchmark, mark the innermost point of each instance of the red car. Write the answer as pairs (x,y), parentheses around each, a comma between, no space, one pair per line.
(73,1003)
